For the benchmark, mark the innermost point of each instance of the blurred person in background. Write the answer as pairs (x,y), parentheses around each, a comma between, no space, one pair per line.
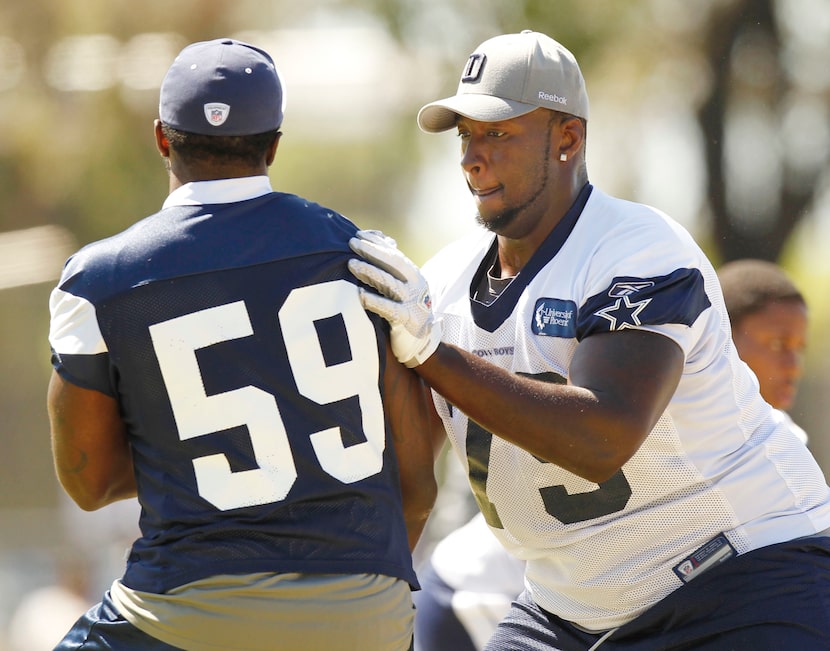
(769,318)
(215,361)
(468,584)
(44,615)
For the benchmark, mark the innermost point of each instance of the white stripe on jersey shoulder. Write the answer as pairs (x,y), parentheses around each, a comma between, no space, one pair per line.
(73,329)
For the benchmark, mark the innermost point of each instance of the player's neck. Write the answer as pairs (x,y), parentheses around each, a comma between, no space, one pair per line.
(180,177)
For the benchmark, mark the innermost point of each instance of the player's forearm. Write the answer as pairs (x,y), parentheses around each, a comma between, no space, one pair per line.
(89,487)
(416,520)
(566,425)
(90,450)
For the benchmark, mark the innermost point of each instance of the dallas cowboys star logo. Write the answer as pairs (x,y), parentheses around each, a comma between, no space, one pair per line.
(623,313)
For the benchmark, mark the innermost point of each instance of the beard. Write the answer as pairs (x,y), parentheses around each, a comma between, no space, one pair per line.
(501,221)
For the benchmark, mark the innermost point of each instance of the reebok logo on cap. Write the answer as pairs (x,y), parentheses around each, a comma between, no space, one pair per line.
(547,97)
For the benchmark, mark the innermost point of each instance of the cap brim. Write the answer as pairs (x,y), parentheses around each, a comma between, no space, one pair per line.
(442,115)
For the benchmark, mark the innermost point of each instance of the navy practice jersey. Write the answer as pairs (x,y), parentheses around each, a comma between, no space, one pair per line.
(249,378)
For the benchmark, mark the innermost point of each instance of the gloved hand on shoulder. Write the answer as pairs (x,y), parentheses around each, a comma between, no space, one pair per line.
(404,299)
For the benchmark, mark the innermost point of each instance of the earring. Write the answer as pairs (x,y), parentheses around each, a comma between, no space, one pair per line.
(563,157)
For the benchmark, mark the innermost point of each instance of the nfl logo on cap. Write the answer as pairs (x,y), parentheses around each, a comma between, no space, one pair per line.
(216,113)
(222,87)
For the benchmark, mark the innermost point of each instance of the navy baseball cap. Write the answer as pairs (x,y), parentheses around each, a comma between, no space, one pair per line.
(222,87)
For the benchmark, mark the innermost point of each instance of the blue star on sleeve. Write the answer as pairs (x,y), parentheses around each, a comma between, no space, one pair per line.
(631,302)
(622,313)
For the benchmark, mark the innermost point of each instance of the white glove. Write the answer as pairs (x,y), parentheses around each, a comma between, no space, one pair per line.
(404,299)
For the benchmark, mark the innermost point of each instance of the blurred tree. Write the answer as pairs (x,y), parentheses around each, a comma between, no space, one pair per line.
(761,181)
(97,169)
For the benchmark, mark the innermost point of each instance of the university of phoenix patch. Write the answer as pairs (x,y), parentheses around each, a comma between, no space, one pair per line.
(554,317)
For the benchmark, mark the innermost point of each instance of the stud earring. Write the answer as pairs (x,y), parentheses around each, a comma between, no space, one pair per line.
(563,157)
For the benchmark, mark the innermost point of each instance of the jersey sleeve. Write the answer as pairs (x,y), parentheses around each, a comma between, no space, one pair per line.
(648,274)
(631,302)
(79,352)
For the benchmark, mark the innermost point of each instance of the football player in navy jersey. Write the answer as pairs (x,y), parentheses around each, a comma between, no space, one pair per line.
(581,360)
(215,360)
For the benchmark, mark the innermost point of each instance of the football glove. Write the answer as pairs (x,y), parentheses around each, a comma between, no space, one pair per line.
(404,299)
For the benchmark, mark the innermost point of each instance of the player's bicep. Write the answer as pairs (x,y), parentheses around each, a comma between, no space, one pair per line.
(89,444)
(418,435)
(633,372)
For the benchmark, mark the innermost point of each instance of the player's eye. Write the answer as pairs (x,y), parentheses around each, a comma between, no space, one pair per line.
(776,345)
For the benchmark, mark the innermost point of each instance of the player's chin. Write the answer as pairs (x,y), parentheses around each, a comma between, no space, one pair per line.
(783,397)
(495,221)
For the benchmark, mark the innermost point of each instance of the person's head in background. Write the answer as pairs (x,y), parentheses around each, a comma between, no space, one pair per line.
(769,325)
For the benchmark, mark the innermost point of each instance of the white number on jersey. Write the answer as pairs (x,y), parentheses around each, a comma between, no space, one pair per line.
(197,414)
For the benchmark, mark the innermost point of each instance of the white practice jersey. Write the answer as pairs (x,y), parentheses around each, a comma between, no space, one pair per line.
(720,474)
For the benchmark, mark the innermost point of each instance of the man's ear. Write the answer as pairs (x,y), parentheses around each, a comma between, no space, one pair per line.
(162,143)
(572,138)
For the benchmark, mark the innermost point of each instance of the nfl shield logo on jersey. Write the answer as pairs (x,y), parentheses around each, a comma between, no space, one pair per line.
(216,113)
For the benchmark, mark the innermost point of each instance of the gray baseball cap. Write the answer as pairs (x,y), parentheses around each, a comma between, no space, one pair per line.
(222,88)
(508,76)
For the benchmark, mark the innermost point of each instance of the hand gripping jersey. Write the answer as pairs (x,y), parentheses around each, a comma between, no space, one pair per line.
(249,377)
(721,473)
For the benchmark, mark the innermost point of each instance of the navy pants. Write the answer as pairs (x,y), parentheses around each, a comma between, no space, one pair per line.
(103,629)
(776,598)
(436,626)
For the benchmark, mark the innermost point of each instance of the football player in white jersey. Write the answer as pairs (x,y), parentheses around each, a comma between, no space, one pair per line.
(468,583)
(582,363)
